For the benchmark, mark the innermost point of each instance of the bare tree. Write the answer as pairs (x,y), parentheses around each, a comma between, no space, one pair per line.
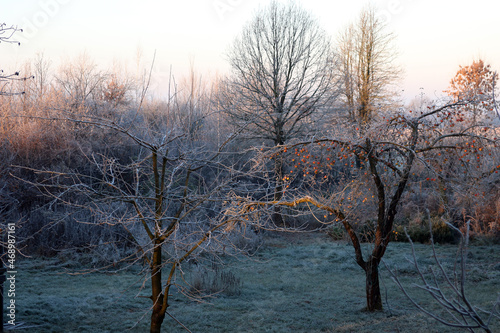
(81,80)
(169,196)
(450,294)
(193,96)
(42,74)
(6,34)
(366,64)
(282,75)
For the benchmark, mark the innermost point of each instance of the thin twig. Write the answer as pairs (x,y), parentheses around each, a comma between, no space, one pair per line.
(187,329)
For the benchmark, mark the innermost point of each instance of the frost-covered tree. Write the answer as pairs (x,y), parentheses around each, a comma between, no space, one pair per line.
(281,75)
(367,65)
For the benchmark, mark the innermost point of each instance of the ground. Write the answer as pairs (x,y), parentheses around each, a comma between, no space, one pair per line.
(293,283)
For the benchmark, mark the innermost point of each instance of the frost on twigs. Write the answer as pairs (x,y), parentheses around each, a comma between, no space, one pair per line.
(448,289)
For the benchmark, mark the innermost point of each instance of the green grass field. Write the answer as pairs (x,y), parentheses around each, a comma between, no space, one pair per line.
(294,283)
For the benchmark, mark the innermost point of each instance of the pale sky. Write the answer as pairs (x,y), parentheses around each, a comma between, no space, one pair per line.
(433,37)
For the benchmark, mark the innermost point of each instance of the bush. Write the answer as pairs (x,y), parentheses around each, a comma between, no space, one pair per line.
(441,232)
(212,281)
(336,232)
(417,233)
(60,229)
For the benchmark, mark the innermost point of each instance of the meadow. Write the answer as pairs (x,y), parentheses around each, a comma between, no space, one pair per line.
(292,283)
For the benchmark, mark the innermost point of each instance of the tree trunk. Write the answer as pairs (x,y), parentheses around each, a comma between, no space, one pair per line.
(277,216)
(156,321)
(156,286)
(373,296)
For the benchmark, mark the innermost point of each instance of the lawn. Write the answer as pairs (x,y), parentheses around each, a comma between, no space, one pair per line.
(293,283)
